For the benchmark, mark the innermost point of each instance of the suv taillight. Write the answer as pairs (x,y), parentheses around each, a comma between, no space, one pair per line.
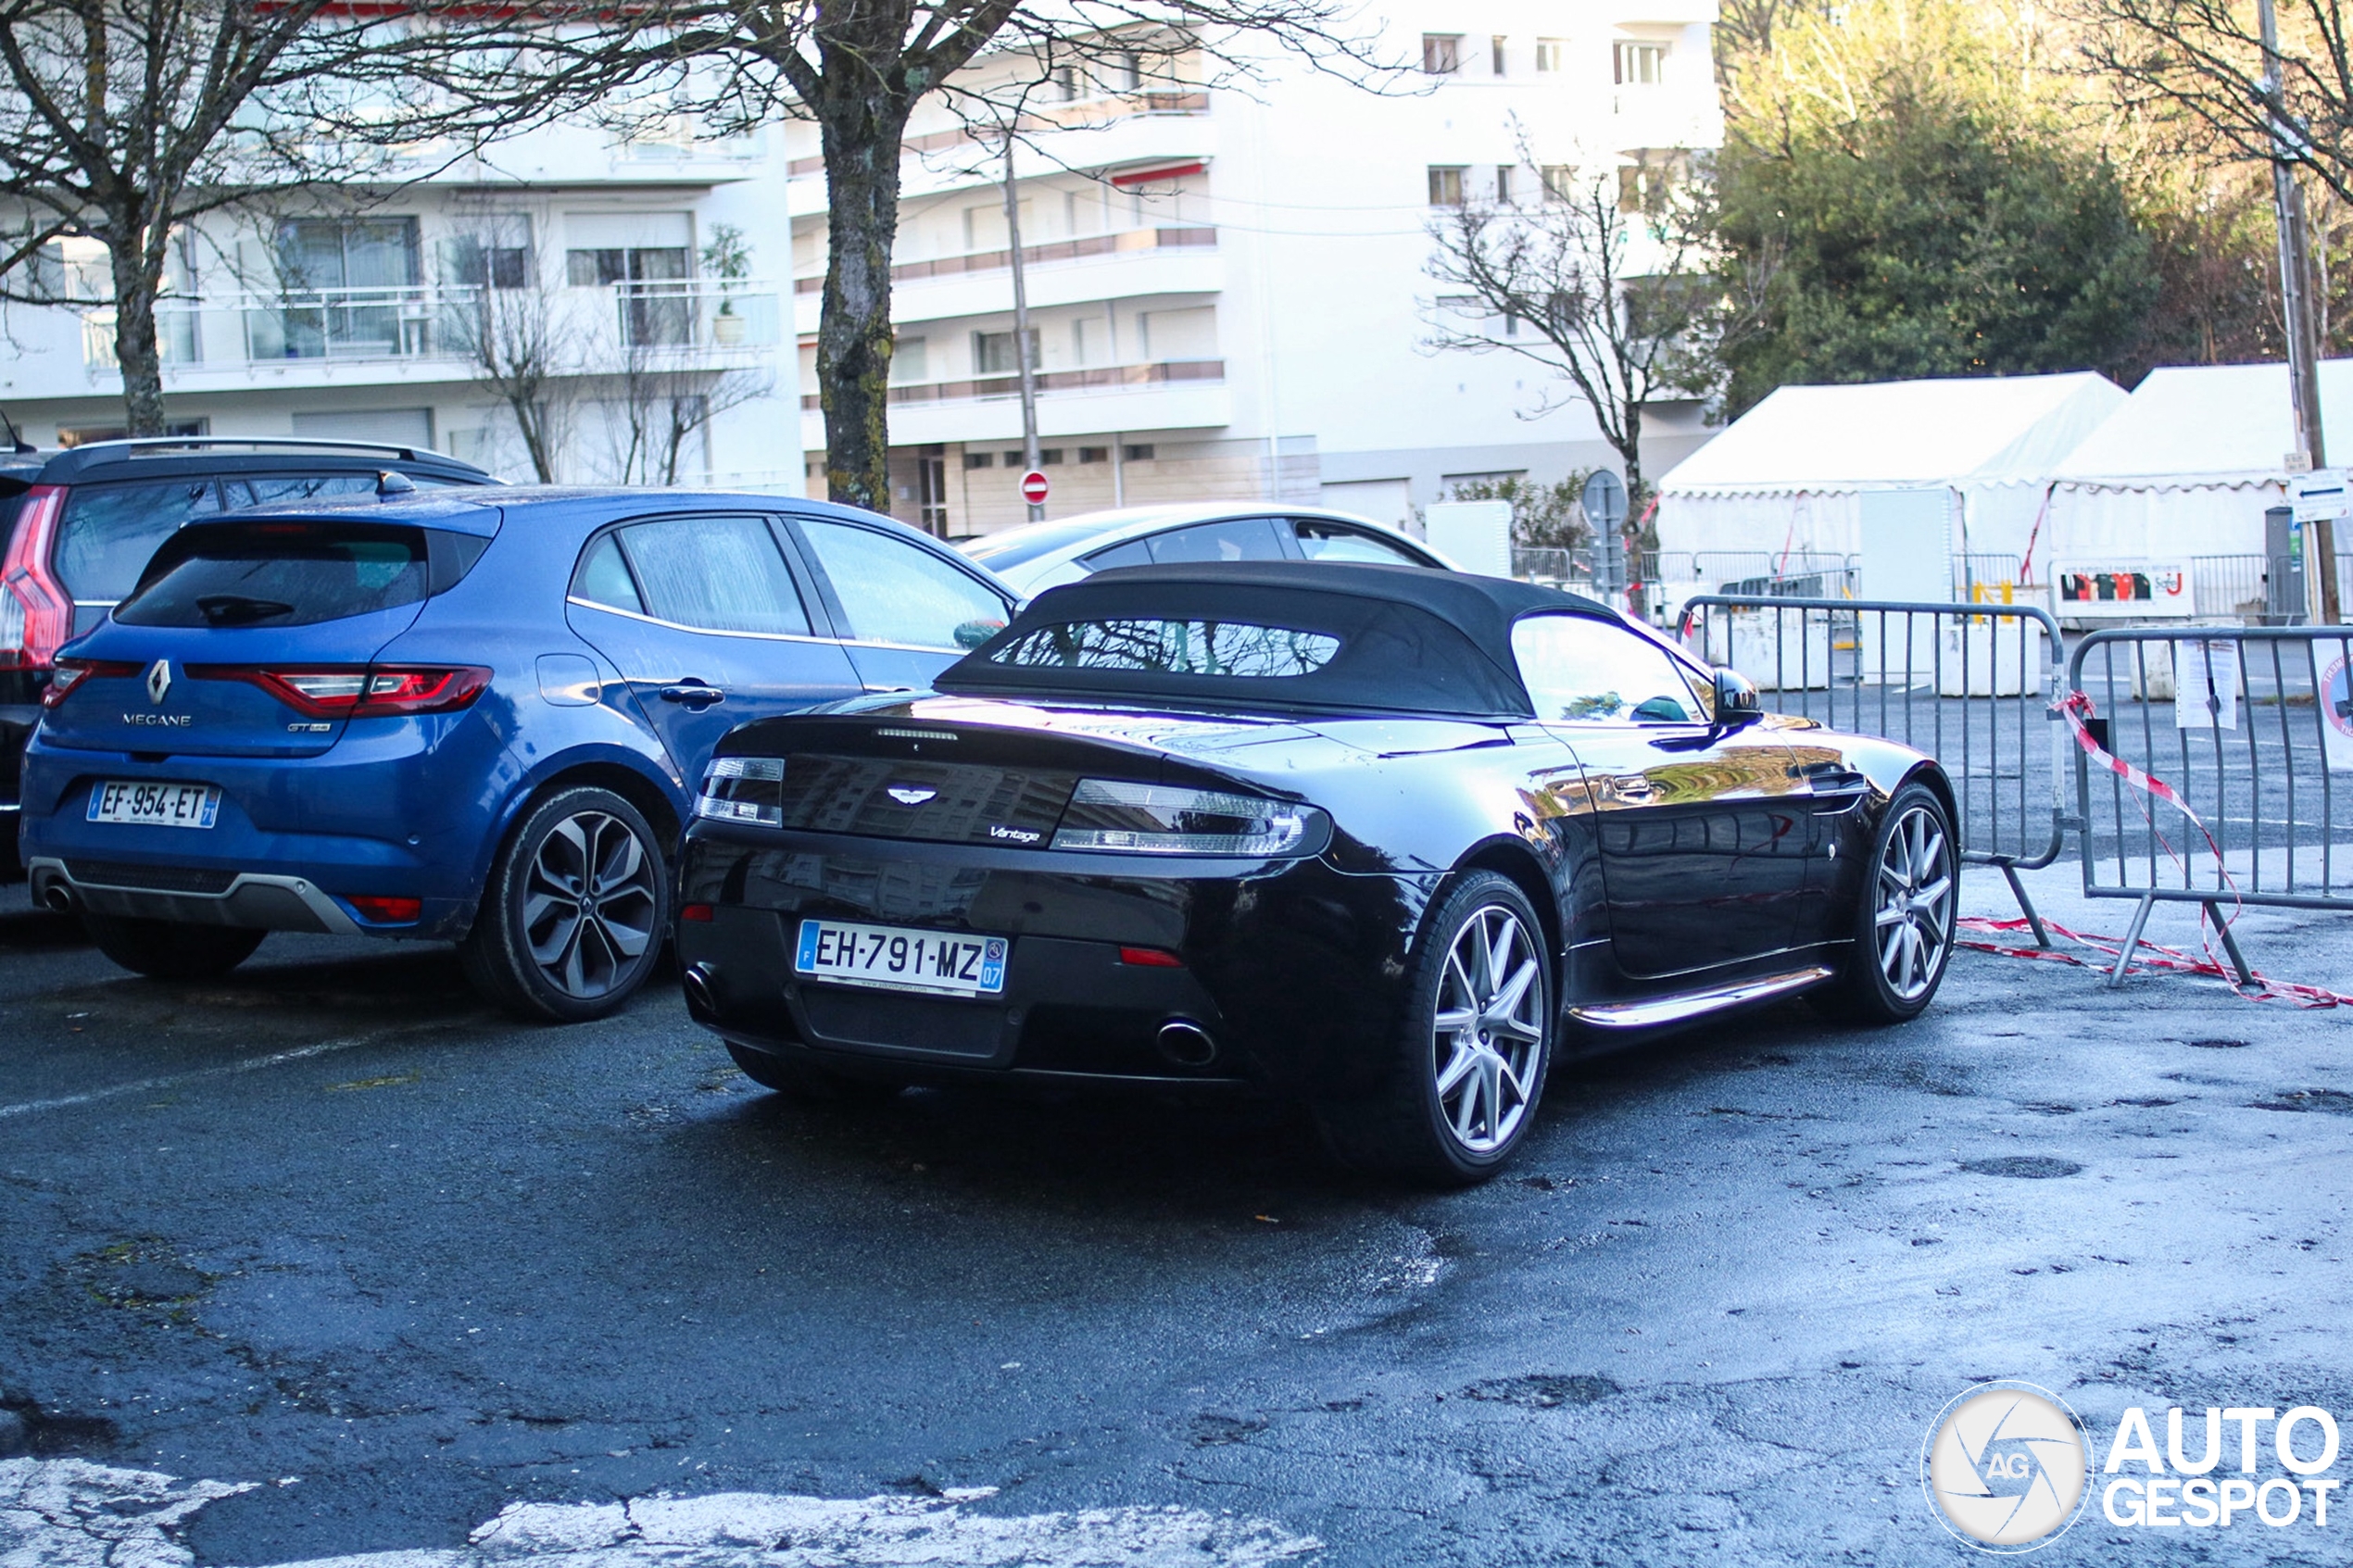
(36,613)
(359,692)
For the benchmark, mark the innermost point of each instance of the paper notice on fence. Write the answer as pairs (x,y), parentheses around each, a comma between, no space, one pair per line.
(2336,715)
(2206,686)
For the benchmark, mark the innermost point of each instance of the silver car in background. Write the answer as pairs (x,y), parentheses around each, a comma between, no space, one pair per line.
(1039,555)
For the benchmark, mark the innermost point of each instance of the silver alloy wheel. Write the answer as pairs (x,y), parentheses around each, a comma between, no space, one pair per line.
(589,905)
(1912,909)
(1489,1030)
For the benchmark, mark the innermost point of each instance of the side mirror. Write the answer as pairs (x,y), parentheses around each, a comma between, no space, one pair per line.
(1736,699)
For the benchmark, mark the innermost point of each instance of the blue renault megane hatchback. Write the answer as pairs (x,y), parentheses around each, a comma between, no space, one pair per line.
(475,715)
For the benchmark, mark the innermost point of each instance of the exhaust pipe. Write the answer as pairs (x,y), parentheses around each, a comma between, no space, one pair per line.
(1186,1042)
(58,896)
(697,985)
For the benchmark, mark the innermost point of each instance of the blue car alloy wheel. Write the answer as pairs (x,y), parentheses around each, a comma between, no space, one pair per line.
(575,909)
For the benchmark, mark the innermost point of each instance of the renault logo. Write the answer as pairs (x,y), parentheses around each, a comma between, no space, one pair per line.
(159,681)
(912,794)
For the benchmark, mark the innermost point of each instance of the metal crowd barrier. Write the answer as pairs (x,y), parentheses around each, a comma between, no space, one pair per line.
(1971,685)
(2252,729)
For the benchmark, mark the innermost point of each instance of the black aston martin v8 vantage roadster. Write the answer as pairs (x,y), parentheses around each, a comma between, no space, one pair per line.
(1380,839)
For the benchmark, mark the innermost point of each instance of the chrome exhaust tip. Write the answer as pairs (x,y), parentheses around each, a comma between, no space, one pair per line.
(1186,1042)
(57,896)
(696,982)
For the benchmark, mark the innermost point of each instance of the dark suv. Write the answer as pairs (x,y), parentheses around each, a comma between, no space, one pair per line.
(77,526)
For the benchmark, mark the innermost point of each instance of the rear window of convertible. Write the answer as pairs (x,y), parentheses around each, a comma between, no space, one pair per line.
(1237,649)
(292,575)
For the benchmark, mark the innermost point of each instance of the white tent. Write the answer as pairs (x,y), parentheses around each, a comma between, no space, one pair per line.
(2187,467)
(1787,477)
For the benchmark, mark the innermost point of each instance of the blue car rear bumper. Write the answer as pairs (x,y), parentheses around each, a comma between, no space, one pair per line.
(396,809)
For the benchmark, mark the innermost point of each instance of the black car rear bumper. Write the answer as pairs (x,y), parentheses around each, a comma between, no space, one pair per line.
(1292,970)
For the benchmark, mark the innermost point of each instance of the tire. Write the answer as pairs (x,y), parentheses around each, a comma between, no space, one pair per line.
(164,949)
(1417,1124)
(806,1080)
(574,914)
(1905,916)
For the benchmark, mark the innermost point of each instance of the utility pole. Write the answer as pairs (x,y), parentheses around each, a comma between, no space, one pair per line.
(1021,329)
(2296,302)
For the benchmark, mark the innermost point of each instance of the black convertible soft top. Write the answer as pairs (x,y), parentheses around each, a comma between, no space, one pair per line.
(1409,640)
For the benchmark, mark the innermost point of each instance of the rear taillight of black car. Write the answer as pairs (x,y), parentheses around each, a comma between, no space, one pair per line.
(36,613)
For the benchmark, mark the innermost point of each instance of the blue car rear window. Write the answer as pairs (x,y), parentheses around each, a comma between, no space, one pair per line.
(279,575)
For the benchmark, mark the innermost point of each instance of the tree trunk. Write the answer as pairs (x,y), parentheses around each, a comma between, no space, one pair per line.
(137,281)
(862,144)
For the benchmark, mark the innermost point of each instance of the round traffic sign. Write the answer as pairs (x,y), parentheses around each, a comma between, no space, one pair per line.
(1033,487)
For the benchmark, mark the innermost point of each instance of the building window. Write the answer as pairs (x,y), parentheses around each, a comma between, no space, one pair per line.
(909,359)
(1049,456)
(979,460)
(993,354)
(1550,52)
(931,490)
(1066,83)
(1644,182)
(1094,454)
(1495,53)
(1559,180)
(497,257)
(1641,65)
(1445,186)
(1441,52)
(1502,182)
(1137,452)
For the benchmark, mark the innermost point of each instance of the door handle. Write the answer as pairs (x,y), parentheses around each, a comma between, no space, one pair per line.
(1632,786)
(694,695)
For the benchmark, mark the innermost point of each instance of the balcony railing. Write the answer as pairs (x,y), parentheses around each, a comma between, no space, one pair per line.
(1125,242)
(1096,378)
(1051,117)
(413,322)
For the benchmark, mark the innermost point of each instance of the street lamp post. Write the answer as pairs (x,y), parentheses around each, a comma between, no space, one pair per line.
(2296,303)
(1021,330)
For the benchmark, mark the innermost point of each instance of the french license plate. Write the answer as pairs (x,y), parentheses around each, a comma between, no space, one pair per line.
(900,959)
(157,805)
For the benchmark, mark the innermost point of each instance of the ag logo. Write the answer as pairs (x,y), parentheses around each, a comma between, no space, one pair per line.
(2005,1466)
(158,680)
(911,794)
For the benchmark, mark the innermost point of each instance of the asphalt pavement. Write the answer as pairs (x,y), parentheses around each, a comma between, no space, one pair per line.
(324,1259)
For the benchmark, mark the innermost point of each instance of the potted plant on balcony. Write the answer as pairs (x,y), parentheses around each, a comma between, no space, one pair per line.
(727,258)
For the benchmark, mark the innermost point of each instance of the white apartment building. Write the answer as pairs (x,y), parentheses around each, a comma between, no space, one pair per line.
(378,317)
(1226,285)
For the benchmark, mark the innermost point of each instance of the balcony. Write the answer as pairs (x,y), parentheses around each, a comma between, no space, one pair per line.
(1100,378)
(693,322)
(1124,242)
(1122,265)
(1081,113)
(1163,394)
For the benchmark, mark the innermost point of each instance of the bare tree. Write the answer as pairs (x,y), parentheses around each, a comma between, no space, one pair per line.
(859,70)
(1604,281)
(658,406)
(2195,67)
(121,120)
(522,336)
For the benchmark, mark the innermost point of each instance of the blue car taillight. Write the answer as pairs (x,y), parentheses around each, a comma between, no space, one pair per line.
(1140,819)
(743,789)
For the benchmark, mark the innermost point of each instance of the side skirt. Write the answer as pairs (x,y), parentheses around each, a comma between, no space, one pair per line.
(1654,1011)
